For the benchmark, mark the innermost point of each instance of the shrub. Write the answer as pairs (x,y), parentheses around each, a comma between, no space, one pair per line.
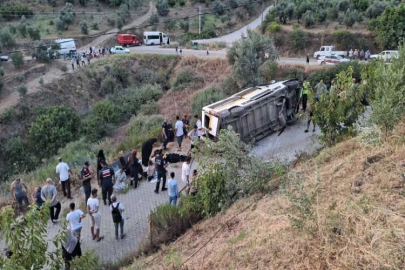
(172,3)
(111,21)
(274,27)
(308,19)
(299,40)
(218,8)
(376,9)
(229,86)
(321,15)
(185,25)
(351,17)
(18,59)
(83,28)
(64,68)
(119,23)
(106,111)
(182,2)
(94,26)
(22,90)
(19,156)
(388,27)
(7,116)
(332,13)
(206,97)
(150,108)
(107,86)
(66,17)
(11,10)
(170,24)
(344,5)
(41,81)
(94,128)
(22,29)
(186,78)
(34,33)
(6,39)
(154,18)
(53,128)
(247,55)
(162,7)
(268,70)
(142,124)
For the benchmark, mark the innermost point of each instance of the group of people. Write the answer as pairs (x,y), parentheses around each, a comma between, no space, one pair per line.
(79,58)
(359,55)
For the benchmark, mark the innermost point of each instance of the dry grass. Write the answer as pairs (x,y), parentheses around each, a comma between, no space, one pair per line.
(358,220)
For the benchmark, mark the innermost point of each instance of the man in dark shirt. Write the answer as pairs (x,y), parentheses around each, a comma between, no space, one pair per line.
(86,174)
(161,166)
(107,180)
(186,124)
(165,133)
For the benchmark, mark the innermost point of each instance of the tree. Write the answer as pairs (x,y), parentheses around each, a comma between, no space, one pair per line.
(162,7)
(247,55)
(154,19)
(185,25)
(299,40)
(26,236)
(53,128)
(18,59)
(119,23)
(22,90)
(22,26)
(66,17)
(6,40)
(83,28)
(34,33)
(43,52)
(124,12)
(336,113)
(308,19)
(218,8)
(170,24)
(389,27)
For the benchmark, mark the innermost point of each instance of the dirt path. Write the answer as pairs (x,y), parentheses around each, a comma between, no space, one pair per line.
(54,71)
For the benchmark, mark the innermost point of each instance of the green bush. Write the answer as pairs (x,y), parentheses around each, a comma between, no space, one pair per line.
(18,59)
(108,86)
(34,33)
(106,111)
(186,78)
(119,23)
(308,19)
(218,8)
(94,128)
(94,26)
(321,15)
(274,27)
(182,3)
(162,7)
(154,18)
(6,39)
(389,27)
(206,97)
(143,124)
(22,90)
(111,21)
(10,10)
(19,157)
(66,17)
(170,24)
(332,13)
(83,28)
(7,116)
(299,40)
(172,3)
(229,86)
(268,70)
(150,108)
(52,128)
(64,68)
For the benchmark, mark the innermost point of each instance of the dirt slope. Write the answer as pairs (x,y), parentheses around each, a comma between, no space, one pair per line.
(350,214)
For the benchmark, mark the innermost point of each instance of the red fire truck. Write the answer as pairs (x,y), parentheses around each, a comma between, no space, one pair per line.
(129,40)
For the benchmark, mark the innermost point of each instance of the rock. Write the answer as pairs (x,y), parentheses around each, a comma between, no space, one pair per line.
(358,183)
(375,158)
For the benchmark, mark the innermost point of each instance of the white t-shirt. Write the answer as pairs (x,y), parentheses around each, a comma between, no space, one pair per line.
(199,127)
(63,170)
(179,128)
(92,203)
(120,207)
(74,219)
(185,170)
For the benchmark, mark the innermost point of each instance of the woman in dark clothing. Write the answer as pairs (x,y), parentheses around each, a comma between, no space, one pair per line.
(70,249)
(170,136)
(147,147)
(135,167)
(100,158)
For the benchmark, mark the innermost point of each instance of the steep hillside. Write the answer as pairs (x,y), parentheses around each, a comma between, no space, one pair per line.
(342,209)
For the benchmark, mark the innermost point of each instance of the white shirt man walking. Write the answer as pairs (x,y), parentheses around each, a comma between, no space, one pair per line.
(74,218)
(93,205)
(63,171)
(179,131)
(185,174)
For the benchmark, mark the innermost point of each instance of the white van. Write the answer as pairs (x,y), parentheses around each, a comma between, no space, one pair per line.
(67,45)
(155,38)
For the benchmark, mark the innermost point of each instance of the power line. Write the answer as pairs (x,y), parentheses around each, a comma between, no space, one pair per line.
(134,28)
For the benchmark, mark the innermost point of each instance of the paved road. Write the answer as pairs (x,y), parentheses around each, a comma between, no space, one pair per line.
(212,54)
(232,37)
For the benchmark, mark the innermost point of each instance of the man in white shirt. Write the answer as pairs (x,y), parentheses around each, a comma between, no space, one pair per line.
(179,131)
(63,171)
(117,210)
(185,173)
(74,218)
(93,205)
(199,126)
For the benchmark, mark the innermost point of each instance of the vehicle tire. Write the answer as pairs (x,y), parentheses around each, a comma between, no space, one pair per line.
(323,63)
(237,111)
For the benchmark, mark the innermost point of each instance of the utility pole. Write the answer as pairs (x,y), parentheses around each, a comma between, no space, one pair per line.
(199,20)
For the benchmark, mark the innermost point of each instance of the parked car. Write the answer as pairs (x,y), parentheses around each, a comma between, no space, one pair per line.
(385,55)
(129,40)
(255,112)
(328,51)
(4,58)
(332,60)
(119,50)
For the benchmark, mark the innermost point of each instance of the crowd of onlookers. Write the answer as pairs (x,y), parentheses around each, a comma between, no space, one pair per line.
(80,58)
(359,55)
(153,167)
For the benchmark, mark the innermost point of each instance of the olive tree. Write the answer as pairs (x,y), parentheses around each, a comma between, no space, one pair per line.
(66,17)
(247,55)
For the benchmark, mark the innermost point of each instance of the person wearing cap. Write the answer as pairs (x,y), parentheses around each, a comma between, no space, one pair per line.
(49,192)
(19,193)
(63,171)
(85,175)
(107,180)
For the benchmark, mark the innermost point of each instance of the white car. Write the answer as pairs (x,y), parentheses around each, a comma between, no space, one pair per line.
(4,58)
(385,55)
(119,50)
(332,60)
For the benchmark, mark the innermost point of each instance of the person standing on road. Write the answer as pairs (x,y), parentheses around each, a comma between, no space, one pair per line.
(147,147)
(49,193)
(74,218)
(63,171)
(117,211)
(309,122)
(161,166)
(173,189)
(185,174)
(100,159)
(107,179)
(179,131)
(135,168)
(307,59)
(361,55)
(351,54)
(93,205)
(208,50)
(199,125)
(86,175)
(78,60)
(83,57)
(165,133)
(181,51)
(73,63)
(19,193)
(186,124)
(36,197)
(320,89)
(193,135)
(305,93)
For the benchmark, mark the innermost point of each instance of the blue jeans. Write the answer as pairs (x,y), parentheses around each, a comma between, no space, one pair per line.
(173,199)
